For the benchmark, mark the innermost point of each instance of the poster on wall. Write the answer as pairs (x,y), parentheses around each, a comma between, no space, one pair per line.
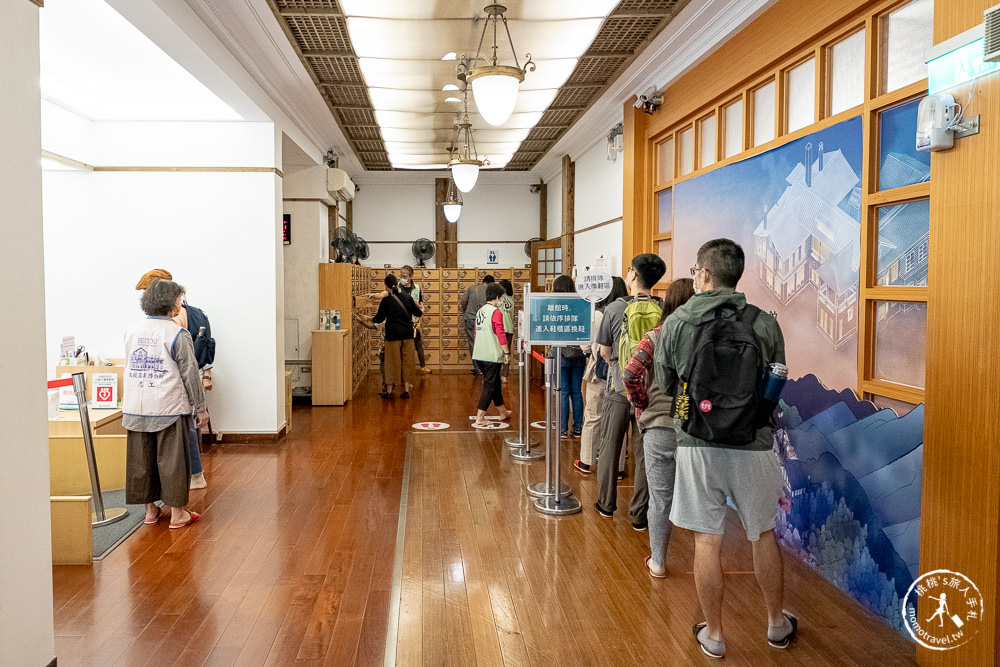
(852,470)
(286,228)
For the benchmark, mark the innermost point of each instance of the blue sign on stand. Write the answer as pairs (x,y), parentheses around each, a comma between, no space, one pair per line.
(558,319)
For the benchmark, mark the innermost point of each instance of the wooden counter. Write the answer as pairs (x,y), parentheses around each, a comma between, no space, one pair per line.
(331,367)
(103,421)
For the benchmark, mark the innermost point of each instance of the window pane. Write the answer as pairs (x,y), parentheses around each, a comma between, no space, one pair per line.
(903,238)
(734,129)
(686,139)
(909,32)
(665,250)
(665,213)
(707,141)
(900,340)
(763,114)
(847,88)
(666,162)
(901,408)
(900,163)
(802,95)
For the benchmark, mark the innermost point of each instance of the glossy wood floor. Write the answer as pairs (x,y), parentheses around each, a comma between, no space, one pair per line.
(292,563)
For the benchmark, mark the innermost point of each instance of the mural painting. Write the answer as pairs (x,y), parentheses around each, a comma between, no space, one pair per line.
(853,471)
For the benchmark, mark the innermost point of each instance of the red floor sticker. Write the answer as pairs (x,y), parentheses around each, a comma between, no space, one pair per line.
(431,426)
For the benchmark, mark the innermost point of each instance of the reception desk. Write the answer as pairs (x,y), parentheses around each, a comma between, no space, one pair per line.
(103,421)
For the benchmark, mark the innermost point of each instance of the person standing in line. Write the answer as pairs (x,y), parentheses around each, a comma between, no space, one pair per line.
(570,374)
(470,302)
(644,272)
(161,383)
(653,409)
(507,308)
(196,322)
(397,311)
(491,349)
(594,392)
(708,472)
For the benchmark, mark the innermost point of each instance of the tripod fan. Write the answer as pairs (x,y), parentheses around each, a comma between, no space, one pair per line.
(527,245)
(361,251)
(422,249)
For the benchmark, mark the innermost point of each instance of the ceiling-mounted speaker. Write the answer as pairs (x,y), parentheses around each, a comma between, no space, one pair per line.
(991,34)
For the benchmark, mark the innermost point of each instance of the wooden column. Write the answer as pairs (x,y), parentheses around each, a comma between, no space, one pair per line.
(637,223)
(568,212)
(445,233)
(349,215)
(543,210)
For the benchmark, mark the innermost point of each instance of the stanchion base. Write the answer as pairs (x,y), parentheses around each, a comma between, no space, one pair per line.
(111,514)
(522,454)
(543,490)
(558,506)
(514,441)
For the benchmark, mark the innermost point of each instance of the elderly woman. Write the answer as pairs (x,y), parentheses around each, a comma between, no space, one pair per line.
(491,349)
(161,386)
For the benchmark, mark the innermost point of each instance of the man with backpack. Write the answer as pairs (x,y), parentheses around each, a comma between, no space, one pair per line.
(625,322)
(713,353)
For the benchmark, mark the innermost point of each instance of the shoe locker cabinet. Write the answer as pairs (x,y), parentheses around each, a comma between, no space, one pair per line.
(340,358)
(441,327)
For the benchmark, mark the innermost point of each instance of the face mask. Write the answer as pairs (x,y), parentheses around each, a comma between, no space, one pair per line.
(697,290)
(404,282)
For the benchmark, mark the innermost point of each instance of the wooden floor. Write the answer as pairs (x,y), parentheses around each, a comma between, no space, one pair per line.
(292,564)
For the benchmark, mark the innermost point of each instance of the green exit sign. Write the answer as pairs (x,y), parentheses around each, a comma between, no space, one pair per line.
(958,66)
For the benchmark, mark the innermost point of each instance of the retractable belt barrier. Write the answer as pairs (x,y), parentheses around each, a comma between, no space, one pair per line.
(552,496)
(521,443)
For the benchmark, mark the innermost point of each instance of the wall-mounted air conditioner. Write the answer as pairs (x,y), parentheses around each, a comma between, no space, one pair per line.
(339,185)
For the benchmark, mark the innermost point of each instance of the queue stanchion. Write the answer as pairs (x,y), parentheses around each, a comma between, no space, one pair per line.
(101,516)
(548,487)
(521,445)
(562,503)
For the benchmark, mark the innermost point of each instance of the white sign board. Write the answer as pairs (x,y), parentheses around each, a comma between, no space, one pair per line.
(104,390)
(593,282)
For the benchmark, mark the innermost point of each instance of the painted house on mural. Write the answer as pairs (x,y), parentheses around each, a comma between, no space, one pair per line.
(904,230)
(806,238)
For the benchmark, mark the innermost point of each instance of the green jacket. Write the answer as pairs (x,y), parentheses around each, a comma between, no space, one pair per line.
(670,357)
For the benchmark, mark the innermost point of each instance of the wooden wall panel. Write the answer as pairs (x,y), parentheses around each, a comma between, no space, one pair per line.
(961,482)
(636,220)
(568,213)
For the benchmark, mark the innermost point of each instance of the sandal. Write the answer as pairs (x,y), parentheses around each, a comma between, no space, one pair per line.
(654,575)
(192,517)
(152,522)
(718,648)
(786,640)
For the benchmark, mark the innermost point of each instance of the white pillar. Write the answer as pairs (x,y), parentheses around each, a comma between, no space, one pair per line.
(26,630)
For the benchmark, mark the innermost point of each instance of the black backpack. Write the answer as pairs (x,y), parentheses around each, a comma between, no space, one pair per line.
(720,398)
(201,333)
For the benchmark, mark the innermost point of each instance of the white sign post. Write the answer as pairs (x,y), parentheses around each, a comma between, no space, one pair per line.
(593,282)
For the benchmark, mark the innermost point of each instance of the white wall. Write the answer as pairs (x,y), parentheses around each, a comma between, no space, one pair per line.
(308,248)
(217,232)
(504,214)
(26,632)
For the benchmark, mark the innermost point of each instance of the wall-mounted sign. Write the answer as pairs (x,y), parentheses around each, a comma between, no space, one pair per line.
(558,319)
(492,257)
(286,228)
(593,281)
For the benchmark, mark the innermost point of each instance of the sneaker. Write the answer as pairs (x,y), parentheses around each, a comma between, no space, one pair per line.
(577,434)
(581,466)
(603,512)
(405,394)
(564,436)
(639,527)
(621,475)
(198,481)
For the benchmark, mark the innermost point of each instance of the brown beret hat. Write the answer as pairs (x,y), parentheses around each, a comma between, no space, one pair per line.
(150,276)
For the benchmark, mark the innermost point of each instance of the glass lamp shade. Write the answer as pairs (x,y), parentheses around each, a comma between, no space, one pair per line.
(465,173)
(495,91)
(452,210)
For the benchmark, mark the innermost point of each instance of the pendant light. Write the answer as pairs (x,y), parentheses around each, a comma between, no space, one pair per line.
(464,161)
(452,203)
(494,86)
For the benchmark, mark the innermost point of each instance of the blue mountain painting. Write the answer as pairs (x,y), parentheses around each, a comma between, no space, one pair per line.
(853,475)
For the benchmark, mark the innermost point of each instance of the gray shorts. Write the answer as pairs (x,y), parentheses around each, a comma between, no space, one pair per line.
(706,476)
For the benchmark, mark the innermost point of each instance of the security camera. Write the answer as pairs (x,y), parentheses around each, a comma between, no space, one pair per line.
(640,102)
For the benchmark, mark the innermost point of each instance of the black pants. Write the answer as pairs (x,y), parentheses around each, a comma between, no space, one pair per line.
(418,341)
(491,384)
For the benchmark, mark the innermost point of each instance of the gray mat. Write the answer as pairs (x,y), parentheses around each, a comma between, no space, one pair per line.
(106,538)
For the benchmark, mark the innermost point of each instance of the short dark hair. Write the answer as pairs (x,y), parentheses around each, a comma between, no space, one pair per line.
(724,259)
(406,267)
(649,268)
(676,296)
(488,279)
(618,291)
(160,298)
(390,282)
(493,291)
(563,284)
(507,286)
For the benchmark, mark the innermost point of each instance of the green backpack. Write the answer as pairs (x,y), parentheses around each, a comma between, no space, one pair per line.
(641,314)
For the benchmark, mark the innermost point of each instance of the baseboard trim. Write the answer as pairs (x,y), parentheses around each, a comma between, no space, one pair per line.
(250,438)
